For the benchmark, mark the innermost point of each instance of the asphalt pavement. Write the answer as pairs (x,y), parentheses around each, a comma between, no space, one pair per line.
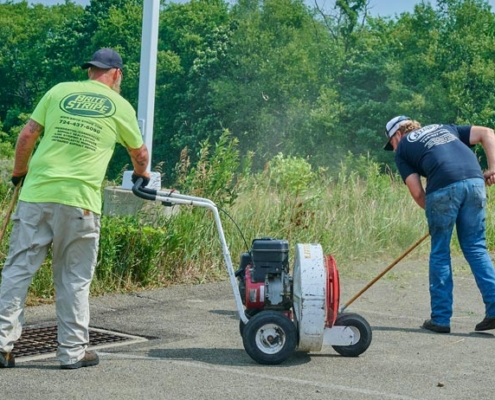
(185,344)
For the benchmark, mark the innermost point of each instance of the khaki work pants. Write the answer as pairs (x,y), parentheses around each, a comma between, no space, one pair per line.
(73,234)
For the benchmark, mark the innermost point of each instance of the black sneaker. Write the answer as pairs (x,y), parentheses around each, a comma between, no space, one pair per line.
(431,326)
(90,358)
(485,325)
(7,360)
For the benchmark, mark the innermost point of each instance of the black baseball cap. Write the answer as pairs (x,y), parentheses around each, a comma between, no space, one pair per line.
(106,59)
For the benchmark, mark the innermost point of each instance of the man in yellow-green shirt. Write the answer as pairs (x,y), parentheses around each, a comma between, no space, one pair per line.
(59,206)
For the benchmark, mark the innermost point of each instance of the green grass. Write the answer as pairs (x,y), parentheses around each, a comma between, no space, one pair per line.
(359,215)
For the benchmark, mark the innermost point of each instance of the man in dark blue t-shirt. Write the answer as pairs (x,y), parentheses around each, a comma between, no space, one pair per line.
(455,196)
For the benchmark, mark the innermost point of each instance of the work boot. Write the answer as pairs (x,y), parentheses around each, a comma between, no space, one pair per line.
(7,360)
(431,326)
(90,358)
(485,325)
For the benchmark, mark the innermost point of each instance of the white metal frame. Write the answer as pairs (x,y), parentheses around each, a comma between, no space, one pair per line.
(310,281)
(182,199)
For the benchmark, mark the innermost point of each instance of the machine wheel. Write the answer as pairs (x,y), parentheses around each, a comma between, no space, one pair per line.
(362,332)
(269,337)
(249,312)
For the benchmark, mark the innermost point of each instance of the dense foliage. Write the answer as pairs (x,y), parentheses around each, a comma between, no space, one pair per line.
(350,217)
(359,218)
(280,76)
(269,107)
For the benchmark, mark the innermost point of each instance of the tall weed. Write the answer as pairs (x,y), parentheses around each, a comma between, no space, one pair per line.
(358,215)
(216,175)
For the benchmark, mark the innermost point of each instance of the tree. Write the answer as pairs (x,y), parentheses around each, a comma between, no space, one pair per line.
(193,45)
(24,57)
(276,73)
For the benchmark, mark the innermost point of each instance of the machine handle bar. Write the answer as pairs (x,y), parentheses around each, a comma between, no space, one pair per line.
(144,193)
(177,198)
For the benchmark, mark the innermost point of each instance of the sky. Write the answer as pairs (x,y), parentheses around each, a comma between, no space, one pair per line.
(390,8)
(377,7)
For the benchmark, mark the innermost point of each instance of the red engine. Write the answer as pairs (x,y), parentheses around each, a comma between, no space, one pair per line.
(265,283)
(263,275)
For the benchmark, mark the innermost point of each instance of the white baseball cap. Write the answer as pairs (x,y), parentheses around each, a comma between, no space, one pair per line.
(392,126)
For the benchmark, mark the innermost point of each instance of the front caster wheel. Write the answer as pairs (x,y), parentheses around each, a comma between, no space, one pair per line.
(269,337)
(362,334)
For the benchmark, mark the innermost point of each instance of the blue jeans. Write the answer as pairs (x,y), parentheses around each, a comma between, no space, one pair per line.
(461,204)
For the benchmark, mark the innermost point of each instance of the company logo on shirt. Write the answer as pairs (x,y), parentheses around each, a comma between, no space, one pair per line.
(431,136)
(419,133)
(88,105)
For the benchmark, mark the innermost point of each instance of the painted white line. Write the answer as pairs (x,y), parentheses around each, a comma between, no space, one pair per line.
(243,372)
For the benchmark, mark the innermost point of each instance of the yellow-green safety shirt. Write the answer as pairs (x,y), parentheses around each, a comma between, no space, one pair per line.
(82,122)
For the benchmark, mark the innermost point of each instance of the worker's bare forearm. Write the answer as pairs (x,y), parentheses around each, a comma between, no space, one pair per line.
(140,160)
(25,146)
(421,202)
(415,187)
(485,136)
(488,143)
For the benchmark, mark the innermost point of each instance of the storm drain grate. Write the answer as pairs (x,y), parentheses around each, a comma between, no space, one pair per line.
(39,341)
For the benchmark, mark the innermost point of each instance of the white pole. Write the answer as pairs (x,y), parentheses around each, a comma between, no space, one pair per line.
(147,73)
(147,83)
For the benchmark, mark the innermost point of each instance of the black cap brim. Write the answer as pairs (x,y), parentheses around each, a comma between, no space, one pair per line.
(96,64)
(388,146)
